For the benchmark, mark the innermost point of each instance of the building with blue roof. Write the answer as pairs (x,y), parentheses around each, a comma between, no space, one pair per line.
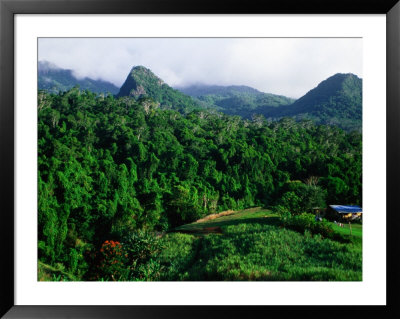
(348,212)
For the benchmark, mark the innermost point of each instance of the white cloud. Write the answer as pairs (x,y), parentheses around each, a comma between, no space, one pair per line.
(287,66)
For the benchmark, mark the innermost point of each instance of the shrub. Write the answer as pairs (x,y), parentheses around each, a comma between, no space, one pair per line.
(284,214)
(111,262)
(306,221)
(142,249)
(300,197)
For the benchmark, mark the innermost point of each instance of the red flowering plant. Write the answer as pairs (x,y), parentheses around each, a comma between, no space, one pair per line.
(111,262)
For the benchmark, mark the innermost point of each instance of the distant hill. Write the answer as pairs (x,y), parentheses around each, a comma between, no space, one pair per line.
(53,79)
(203,89)
(335,101)
(236,100)
(143,83)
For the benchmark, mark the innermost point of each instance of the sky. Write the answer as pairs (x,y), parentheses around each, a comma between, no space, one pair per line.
(284,66)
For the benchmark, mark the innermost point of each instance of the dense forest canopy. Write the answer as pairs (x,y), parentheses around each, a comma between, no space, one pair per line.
(108,166)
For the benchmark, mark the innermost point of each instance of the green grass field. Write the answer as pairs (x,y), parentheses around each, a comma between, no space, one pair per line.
(356,229)
(252,244)
(255,215)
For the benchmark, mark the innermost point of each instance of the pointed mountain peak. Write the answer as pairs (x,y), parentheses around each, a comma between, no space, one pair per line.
(335,101)
(338,80)
(140,68)
(346,83)
(140,81)
(141,73)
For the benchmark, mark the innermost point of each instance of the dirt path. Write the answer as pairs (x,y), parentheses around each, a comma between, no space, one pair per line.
(202,231)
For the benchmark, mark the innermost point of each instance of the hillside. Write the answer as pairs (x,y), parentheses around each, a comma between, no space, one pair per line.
(250,244)
(143,83)
(335,101)
(54,79)
(236,100)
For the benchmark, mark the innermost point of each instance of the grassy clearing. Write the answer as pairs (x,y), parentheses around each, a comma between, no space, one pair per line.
(253,245)
(356,229)
(251,215)
(259,252)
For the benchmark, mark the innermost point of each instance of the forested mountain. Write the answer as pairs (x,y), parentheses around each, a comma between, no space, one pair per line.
(54,79)
(143,83)
(335,101)
(223,91)
(236,100)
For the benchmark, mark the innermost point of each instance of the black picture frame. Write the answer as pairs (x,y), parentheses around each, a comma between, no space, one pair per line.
(8,8)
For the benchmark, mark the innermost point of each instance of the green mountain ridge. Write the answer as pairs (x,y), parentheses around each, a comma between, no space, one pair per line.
(335,101)
(205,89)
(54,79)
(236,99)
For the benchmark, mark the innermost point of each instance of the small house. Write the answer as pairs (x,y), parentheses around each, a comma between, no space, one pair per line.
(345,212)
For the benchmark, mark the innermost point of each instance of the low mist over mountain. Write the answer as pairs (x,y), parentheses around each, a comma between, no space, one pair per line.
(53,79)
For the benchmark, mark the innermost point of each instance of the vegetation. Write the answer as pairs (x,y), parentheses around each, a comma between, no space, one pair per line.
(255,251)
(54,79)
(256,244)
(252,245)
(114,174)
(142,83)
(336,101)
(236,100)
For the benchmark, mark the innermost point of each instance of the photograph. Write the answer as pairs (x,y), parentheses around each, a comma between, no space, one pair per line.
(200,159)
(196,159)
